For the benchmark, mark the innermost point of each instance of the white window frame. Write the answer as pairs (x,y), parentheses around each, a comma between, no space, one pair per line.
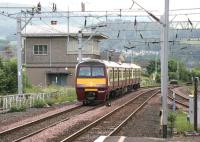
(38,49)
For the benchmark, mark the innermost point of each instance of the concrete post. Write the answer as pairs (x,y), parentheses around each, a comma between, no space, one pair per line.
(164,67)
(19,56)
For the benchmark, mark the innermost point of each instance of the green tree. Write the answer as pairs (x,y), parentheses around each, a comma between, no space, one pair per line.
(172,65)
(176,70)
(10,69)
(2,81)
(151,67)
(8,75)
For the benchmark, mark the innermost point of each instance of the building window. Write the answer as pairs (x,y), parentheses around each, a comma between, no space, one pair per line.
(40,49)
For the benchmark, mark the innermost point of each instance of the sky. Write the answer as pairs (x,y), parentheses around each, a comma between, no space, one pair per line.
(154,6)
(157,5)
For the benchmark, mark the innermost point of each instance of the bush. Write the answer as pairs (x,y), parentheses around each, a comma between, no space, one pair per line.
(172,75)
(59,95)
(171,119)
(158,80)
(71,92)
(50,101)
(33,89)
(39,103)
(16,108)
(10,69)
(8,75)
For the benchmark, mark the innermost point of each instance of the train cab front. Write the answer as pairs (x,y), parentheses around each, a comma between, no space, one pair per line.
(91,83)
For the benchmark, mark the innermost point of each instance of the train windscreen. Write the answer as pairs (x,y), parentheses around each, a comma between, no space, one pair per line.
(91,72)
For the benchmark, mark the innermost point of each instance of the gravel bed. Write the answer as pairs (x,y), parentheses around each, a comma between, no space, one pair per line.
(179,98)
(146,123)
(182,91)
(63,129)
(111,122)
(182,138)
(13,117)
(43,124)
(9,120)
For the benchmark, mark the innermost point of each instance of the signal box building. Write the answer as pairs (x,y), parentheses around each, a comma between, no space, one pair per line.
(51,53)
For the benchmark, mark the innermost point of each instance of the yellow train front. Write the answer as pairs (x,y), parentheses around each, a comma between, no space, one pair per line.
(91,81)
(97,80)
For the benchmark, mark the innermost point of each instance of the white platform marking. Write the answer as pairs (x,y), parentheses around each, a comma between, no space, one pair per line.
(121,139)
(100,139)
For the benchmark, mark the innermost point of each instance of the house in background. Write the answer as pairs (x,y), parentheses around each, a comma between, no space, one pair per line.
(50,53)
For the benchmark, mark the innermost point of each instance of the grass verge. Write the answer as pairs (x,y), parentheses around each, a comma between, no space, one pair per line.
(16,108)
(181,122)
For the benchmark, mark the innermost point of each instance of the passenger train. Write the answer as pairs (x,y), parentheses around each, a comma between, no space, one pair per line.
(98,80)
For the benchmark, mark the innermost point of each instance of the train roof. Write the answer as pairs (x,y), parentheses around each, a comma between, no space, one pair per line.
(113,64)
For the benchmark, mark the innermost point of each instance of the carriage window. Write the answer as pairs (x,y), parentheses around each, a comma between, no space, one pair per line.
(111,75)
(132,73)
(85,71)
(116,75)
(136,73)
(124,74)
(120,74)
(98,71)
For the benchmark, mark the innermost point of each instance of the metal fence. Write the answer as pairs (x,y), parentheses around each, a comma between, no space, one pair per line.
(9,101)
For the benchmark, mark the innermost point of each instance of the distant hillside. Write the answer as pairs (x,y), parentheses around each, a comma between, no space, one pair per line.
(145,37)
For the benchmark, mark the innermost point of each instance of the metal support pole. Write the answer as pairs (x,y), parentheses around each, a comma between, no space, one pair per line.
(156,65)
(68,29)
(131,56)
(195,102)
(164,68)
(174,101)
(19,56)
(177,69)
(79,46)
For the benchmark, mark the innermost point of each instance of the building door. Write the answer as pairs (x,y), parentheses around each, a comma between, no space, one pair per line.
(57,79)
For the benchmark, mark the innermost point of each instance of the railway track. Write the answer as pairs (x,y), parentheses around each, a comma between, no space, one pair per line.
(31,128)
(180,99)
(114,120)
(179,102)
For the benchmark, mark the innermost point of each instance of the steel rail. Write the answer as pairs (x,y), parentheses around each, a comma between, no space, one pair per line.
(184,97)
(42,129)
(49,126)
(38,120)
(35,122)
(83,130)
(187,99)
(131,115)
(179,102)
